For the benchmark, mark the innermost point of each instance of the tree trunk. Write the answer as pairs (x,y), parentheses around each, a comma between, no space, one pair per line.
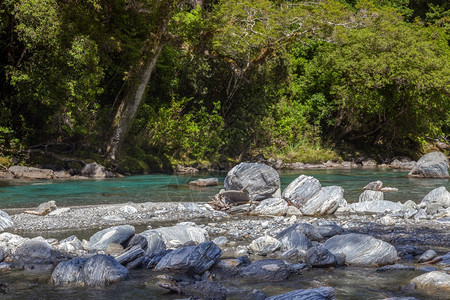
(139,76)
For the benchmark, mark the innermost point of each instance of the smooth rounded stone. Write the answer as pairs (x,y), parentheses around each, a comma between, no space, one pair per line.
(362,250)
(293,239)
(155,242)
(31,173)
(407,251)
(370,195)
(9,241)
(138,240)
(444,260)
(34,252)
(396,267)
(95,170)
(183,233)
(205,182)
(259,180)
(267,270)
(328,229)
(130,255)
(308,230)
(264,245)
(373,207)
(427,256)
(220,241)
(191,259)
(98,270)
(70,245)
(432,280)
(271,207)
(374,186)
(322,293)
(43,209)
(325,202)
(436,199)
(117,234)
(301,190)
(431,165)
(320,257)
(5,221)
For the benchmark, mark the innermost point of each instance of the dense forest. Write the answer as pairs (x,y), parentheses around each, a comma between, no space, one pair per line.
(141,84)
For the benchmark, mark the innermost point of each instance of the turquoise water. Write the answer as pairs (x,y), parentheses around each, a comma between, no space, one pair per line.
(162,187)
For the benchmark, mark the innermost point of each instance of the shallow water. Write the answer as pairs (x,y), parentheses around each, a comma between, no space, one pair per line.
(162,187)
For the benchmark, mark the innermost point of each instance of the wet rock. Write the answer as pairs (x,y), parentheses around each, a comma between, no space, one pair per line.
(116,234)
(191,260)
(301,190)
(443,260)
(182,233)
(427,269)
(204,289)
(70,245)
(138,240)
(258,180)
(431,165)
(271,207)
(267,270)
(155,242)
(95,170)
(31,173)
(264,245)
(34,252)
(407,251)
(432,280)
(205,182)
(308,230)
(98,270)
(436,199)
(320,257)
(427,256)
(362,250)
(374,186)
(327,228)
(323,293)
(324,202)
(396,267)
(373,207)
(5,221)
(256,295)
(370,195)
(293,239)
(43,209)
(130,255)
(228,268)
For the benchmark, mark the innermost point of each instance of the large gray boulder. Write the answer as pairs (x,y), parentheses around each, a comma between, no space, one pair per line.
(271,207)
(182,233)
(301,190)
(258,180)
(374,207)
(191,259)
(5,221)
(98,270)
(362,250)
(31,173)
(431,165)
(371,195)
(293,238)
(322,293)
(325,202)
(155,242)
(436,199)
(320,257)
(95,170)
(117,234)
(433,280)
(307,194)
(34,252)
